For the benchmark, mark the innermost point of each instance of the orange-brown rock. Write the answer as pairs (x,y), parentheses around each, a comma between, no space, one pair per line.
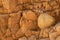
(29,15)
(13,22)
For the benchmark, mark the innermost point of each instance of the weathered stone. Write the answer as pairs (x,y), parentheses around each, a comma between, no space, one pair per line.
(45,20)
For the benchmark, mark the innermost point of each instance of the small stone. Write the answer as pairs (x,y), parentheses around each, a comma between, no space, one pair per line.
(45,20)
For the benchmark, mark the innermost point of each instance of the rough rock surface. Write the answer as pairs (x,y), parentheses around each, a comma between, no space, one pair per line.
(19,19)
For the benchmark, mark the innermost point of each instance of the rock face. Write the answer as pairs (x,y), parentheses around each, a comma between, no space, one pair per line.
(29,19)
(45,20)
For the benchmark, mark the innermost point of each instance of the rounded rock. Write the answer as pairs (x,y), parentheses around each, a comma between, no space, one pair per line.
(45,20)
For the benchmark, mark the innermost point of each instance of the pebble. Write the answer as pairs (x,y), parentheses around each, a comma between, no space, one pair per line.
(45,20)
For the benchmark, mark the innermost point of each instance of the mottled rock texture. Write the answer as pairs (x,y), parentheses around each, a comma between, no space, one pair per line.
(29,19)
